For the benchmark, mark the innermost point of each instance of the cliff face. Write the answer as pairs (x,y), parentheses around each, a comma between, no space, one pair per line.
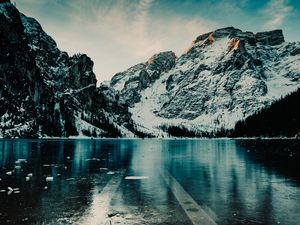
(133,81)
(20,79)
(44,92)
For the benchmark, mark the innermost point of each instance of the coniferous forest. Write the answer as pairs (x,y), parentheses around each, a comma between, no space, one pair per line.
(282,119)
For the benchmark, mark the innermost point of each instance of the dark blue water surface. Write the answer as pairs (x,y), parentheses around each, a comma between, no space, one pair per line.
(234,181)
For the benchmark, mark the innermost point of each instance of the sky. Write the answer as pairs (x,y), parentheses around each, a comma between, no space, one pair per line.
(118,34)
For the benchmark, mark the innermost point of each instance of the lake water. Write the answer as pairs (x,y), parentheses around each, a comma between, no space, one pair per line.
(149,181)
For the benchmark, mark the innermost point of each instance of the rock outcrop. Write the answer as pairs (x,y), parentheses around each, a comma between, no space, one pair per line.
(131,82)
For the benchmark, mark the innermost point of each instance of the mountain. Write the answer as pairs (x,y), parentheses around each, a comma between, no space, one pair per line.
(44,92)
(225,76)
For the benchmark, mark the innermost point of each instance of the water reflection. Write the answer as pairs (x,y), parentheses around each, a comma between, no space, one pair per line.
(240,191)
(236,182)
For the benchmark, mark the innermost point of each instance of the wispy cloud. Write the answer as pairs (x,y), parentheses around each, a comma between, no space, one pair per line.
(142,16)
(117,34)
(276,12)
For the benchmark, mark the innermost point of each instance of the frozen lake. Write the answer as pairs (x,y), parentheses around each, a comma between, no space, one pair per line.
(149,182)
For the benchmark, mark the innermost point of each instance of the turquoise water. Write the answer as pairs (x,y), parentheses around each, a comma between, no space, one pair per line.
(233,181)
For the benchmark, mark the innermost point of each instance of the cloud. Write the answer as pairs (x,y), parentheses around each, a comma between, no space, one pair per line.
(142,16)
(125,33)
(116,34)
(276,12)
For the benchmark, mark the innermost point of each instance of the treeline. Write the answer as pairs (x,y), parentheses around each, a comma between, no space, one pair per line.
(181,131)
(103,123)
(281,119)
(178,131)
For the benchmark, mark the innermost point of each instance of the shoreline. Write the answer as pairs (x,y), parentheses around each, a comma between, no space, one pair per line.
(155,138)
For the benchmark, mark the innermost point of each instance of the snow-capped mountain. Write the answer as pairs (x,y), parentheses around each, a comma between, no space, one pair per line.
(225,76)
(45,92)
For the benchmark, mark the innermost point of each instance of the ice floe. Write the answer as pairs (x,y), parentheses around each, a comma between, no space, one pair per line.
(103,168)
(10,190)
(49,179)
(21,161)
(17,167)
(110,173)
(136,177)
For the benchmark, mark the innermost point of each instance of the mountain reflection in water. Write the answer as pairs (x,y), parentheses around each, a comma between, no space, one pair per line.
(233,181)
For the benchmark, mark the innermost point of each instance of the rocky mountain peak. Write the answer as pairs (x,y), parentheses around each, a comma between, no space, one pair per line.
(219,33)
(75,71)
(162,61)
(81,71)
(137,78)
(274,37)
(225,32)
